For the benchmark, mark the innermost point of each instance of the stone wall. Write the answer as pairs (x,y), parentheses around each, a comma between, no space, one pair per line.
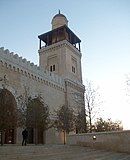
(16,74)
(115,141)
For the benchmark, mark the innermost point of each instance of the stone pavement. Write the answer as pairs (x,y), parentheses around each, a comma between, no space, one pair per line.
(57,152)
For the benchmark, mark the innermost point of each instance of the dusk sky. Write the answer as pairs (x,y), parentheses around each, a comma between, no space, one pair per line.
(104,29)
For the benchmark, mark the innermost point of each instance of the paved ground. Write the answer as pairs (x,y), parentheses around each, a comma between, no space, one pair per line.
(57,152)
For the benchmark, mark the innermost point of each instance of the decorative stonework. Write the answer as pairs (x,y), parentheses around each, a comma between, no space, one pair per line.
(60,44)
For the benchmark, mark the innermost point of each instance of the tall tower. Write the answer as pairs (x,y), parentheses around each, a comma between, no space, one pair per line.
(60,53)
(59,50)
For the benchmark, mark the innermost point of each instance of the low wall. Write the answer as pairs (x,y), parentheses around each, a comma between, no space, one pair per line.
(115,141)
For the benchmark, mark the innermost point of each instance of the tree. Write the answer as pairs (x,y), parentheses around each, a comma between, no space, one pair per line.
(92,101)
(80,122)
(37,115)
(23,101)
(107,125)
(79,111)
(65,120)
(33,114)
(8,114)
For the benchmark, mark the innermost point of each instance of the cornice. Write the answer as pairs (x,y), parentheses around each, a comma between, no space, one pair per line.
(59,45)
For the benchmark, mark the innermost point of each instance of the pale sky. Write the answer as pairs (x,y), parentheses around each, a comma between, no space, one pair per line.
(104,29)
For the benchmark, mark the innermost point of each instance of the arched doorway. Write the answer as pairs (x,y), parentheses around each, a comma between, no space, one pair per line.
(8,116)
(37,115)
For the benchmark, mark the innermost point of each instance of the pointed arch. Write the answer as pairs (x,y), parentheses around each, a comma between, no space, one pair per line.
(8,116)
(37,115)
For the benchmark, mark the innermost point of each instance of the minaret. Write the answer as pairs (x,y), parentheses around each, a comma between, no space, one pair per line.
(59,50)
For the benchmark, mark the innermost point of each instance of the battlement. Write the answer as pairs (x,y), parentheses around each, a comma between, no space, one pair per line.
(27,68)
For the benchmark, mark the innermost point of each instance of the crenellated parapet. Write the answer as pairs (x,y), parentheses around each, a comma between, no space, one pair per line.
(18,64)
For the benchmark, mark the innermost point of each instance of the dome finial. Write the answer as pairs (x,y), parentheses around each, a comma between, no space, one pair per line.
(59,20)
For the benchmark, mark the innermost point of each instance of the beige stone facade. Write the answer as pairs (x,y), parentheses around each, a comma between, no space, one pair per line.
(57,79)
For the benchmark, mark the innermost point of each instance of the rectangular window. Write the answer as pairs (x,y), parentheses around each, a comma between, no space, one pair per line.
(53,67)
(74,64)
(73,69)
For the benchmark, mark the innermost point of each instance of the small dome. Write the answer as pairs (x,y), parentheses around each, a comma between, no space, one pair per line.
(59,20)
(59,15)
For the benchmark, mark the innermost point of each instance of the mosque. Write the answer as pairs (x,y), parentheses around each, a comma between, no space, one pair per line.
(57,78)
